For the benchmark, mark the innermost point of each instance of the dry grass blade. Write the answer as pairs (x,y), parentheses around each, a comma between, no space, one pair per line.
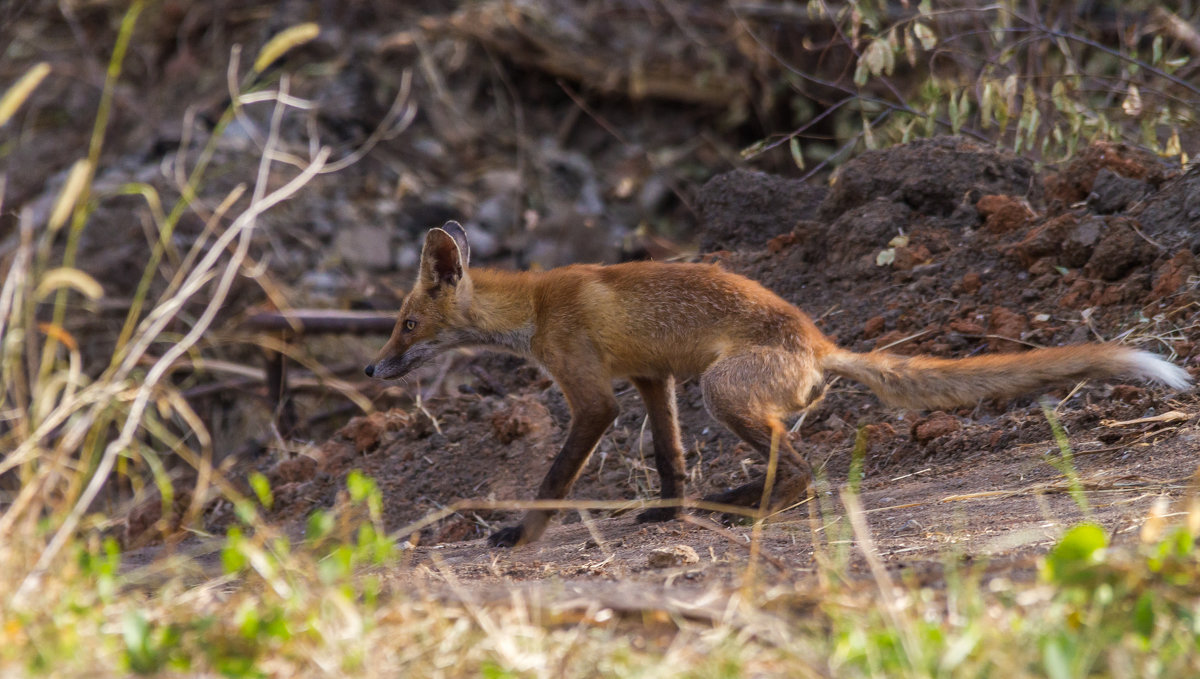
(1128,482)
(77,179)
(16,95)
(285,40)
(1169,416)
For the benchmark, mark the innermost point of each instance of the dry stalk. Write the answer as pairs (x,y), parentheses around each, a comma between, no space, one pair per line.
(241,229)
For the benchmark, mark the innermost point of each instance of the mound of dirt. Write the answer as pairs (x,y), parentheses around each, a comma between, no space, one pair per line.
(744,209)
(1096,168)
(933,176)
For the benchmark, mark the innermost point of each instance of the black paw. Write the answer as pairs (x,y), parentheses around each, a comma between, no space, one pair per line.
(658,514)
(506,537)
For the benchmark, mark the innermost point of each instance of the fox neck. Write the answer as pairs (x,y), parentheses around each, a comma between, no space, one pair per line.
(498,310)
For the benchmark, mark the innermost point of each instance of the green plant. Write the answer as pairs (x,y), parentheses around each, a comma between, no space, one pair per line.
(1043,79)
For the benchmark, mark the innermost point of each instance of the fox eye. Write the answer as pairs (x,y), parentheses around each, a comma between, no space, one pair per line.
(410,325)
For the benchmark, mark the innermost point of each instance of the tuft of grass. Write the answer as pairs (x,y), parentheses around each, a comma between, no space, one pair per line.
(1065,461)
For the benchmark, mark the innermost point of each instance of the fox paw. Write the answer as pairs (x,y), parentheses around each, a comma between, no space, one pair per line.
(658,514)
(506,537)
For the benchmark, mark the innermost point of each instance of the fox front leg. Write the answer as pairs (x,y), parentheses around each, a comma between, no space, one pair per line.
(593,409)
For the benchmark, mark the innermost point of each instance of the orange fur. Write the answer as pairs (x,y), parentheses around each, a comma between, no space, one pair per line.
(758,358)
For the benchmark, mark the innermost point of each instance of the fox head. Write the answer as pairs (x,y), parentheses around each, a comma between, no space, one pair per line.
(433,313)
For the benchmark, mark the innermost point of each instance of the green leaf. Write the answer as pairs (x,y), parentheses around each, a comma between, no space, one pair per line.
(797,154)
(1143,615)
(861,73)
(320,524)
(1080,548)
(337,566)
(755,148)
(233,558)
(140,650)
(875,57)
(925,35)
(491,670)
(245,512)
(986,105)
(360,485)
(262,488)
(247,620)
(1056,660)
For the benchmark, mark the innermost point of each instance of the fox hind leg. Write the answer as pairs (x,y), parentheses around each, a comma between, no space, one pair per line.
(750,394)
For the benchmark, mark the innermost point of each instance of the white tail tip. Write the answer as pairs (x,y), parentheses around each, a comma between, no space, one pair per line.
(1151,367)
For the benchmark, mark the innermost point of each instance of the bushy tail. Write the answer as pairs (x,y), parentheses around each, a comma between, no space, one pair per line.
(927,382)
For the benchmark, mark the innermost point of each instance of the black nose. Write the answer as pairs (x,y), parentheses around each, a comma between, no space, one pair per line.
(370,370)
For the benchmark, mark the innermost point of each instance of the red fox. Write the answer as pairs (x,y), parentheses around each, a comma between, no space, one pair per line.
(758,358)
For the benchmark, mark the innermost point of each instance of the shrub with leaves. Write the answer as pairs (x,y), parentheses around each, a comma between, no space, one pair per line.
(1040,78)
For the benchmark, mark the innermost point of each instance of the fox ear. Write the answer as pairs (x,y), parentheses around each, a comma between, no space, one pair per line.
(442,262)
(459,234)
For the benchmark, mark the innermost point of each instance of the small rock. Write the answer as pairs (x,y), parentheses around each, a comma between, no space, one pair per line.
(967,327)
(1081,241)
(366,432)
(1044,239)
(293,470)
(666,557)
(335,457)
(879,437)
(1120,250)
(430,147)
(1128,393)
(873,327)
(971,282)
(935,426)
(1006,323)
(496,213)
(323,284)
(910,257)
(525,416)
(1002,214)
(1112,193)
(408,256)
(455,530)
(1173,274)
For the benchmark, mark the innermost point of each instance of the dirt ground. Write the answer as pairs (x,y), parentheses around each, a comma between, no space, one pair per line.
(996,258)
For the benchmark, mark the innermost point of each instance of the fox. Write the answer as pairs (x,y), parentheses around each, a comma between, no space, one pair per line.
(758,359)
